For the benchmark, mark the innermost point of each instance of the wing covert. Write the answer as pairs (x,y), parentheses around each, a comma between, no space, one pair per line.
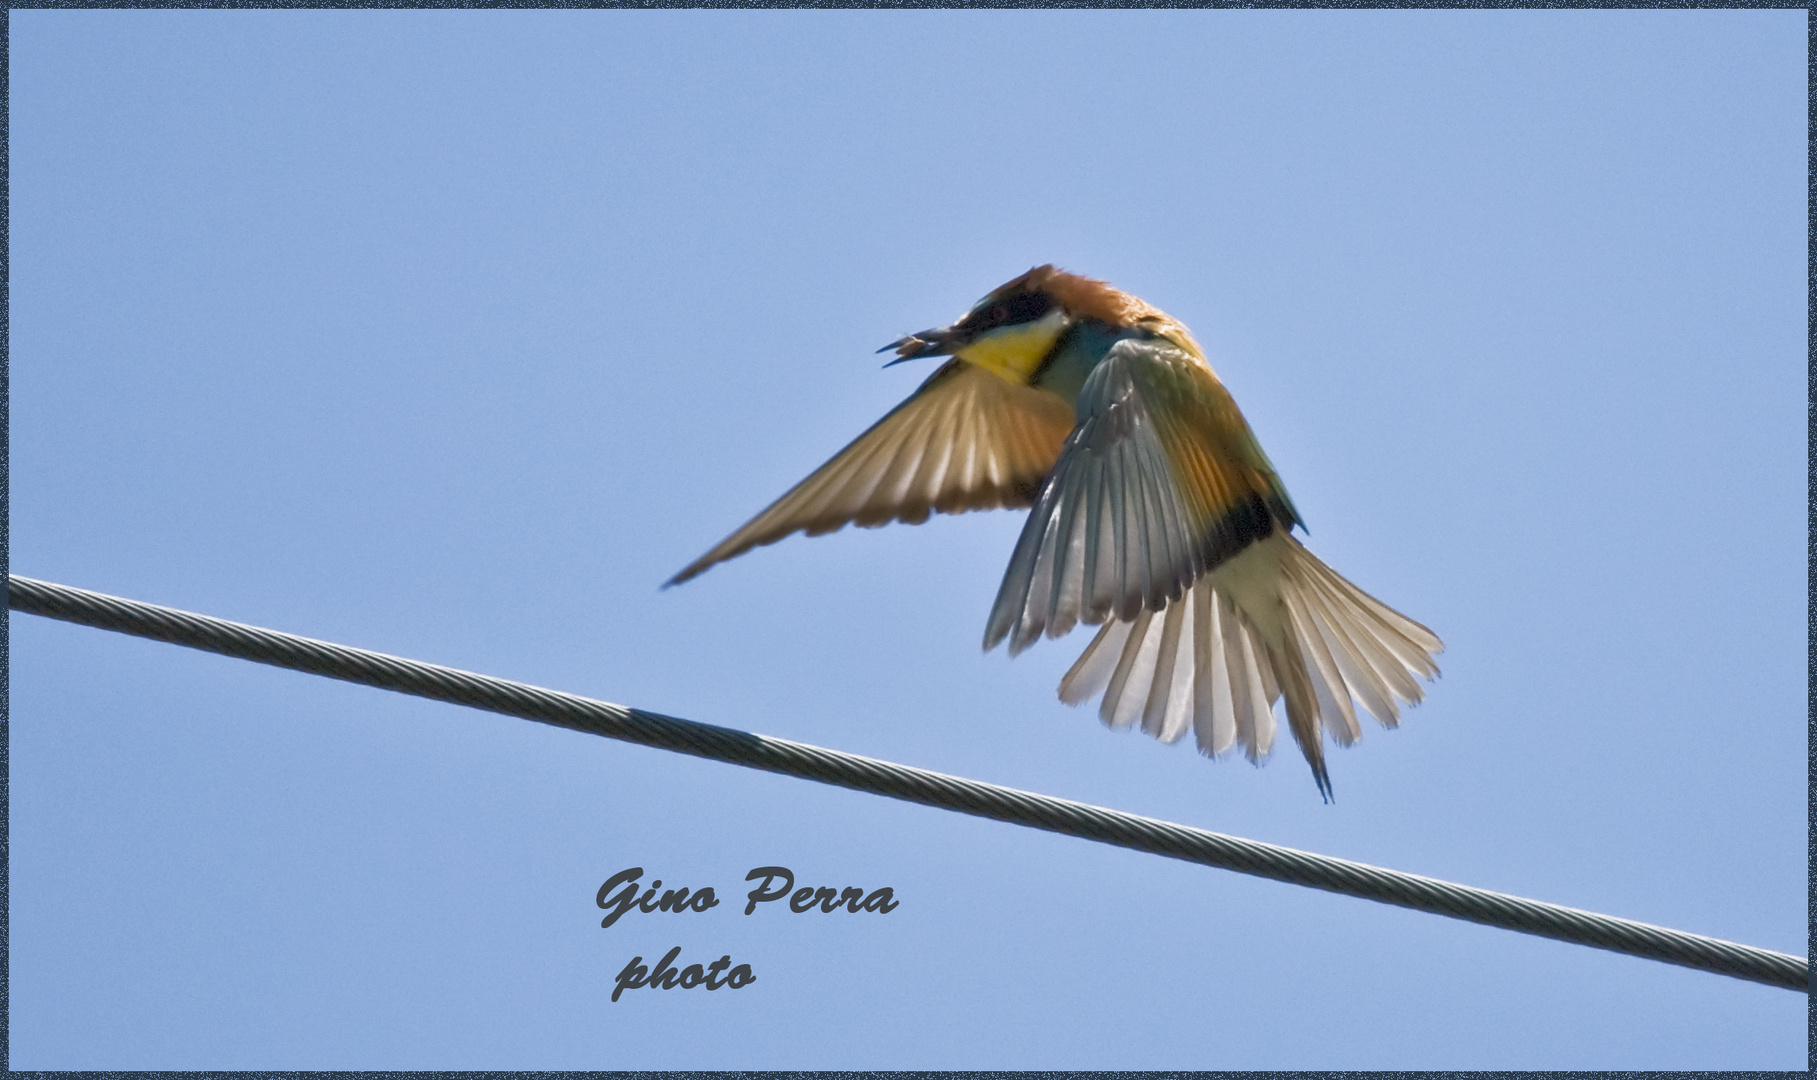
(1160,483)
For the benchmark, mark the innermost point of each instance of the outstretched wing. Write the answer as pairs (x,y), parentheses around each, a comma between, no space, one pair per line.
(1161,482)
(1164,521)
(965,440)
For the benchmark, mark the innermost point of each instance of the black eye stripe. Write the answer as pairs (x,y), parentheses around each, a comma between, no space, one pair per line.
(1021,308)
(1028,307)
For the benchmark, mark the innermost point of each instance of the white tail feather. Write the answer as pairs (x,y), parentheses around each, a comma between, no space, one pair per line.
(1091,673)
(1217,659)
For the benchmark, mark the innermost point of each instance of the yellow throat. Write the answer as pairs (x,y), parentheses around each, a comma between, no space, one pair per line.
(1014,352)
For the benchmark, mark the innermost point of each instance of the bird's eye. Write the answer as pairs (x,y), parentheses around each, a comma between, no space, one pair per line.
(1010,311)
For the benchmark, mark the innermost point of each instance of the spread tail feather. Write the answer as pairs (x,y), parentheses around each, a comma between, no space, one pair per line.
(1274,622)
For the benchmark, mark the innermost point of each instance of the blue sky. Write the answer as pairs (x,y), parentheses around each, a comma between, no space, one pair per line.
(453,335)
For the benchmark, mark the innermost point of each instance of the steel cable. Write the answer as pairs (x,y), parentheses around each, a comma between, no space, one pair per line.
(907,783)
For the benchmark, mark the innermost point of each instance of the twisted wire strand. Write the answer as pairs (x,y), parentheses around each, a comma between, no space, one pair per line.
(906,783)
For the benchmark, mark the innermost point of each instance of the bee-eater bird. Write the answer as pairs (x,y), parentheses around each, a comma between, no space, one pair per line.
(1155,516)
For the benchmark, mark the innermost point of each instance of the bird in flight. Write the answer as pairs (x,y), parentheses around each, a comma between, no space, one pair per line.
(1154,516)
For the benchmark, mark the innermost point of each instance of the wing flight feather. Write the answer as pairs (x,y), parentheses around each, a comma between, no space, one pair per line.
(965,440)
(1160,482)
(1163,521)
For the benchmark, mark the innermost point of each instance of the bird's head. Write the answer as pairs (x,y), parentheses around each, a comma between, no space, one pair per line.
(1016,324)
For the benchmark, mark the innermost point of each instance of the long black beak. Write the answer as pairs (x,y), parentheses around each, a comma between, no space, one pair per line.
(916,346)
